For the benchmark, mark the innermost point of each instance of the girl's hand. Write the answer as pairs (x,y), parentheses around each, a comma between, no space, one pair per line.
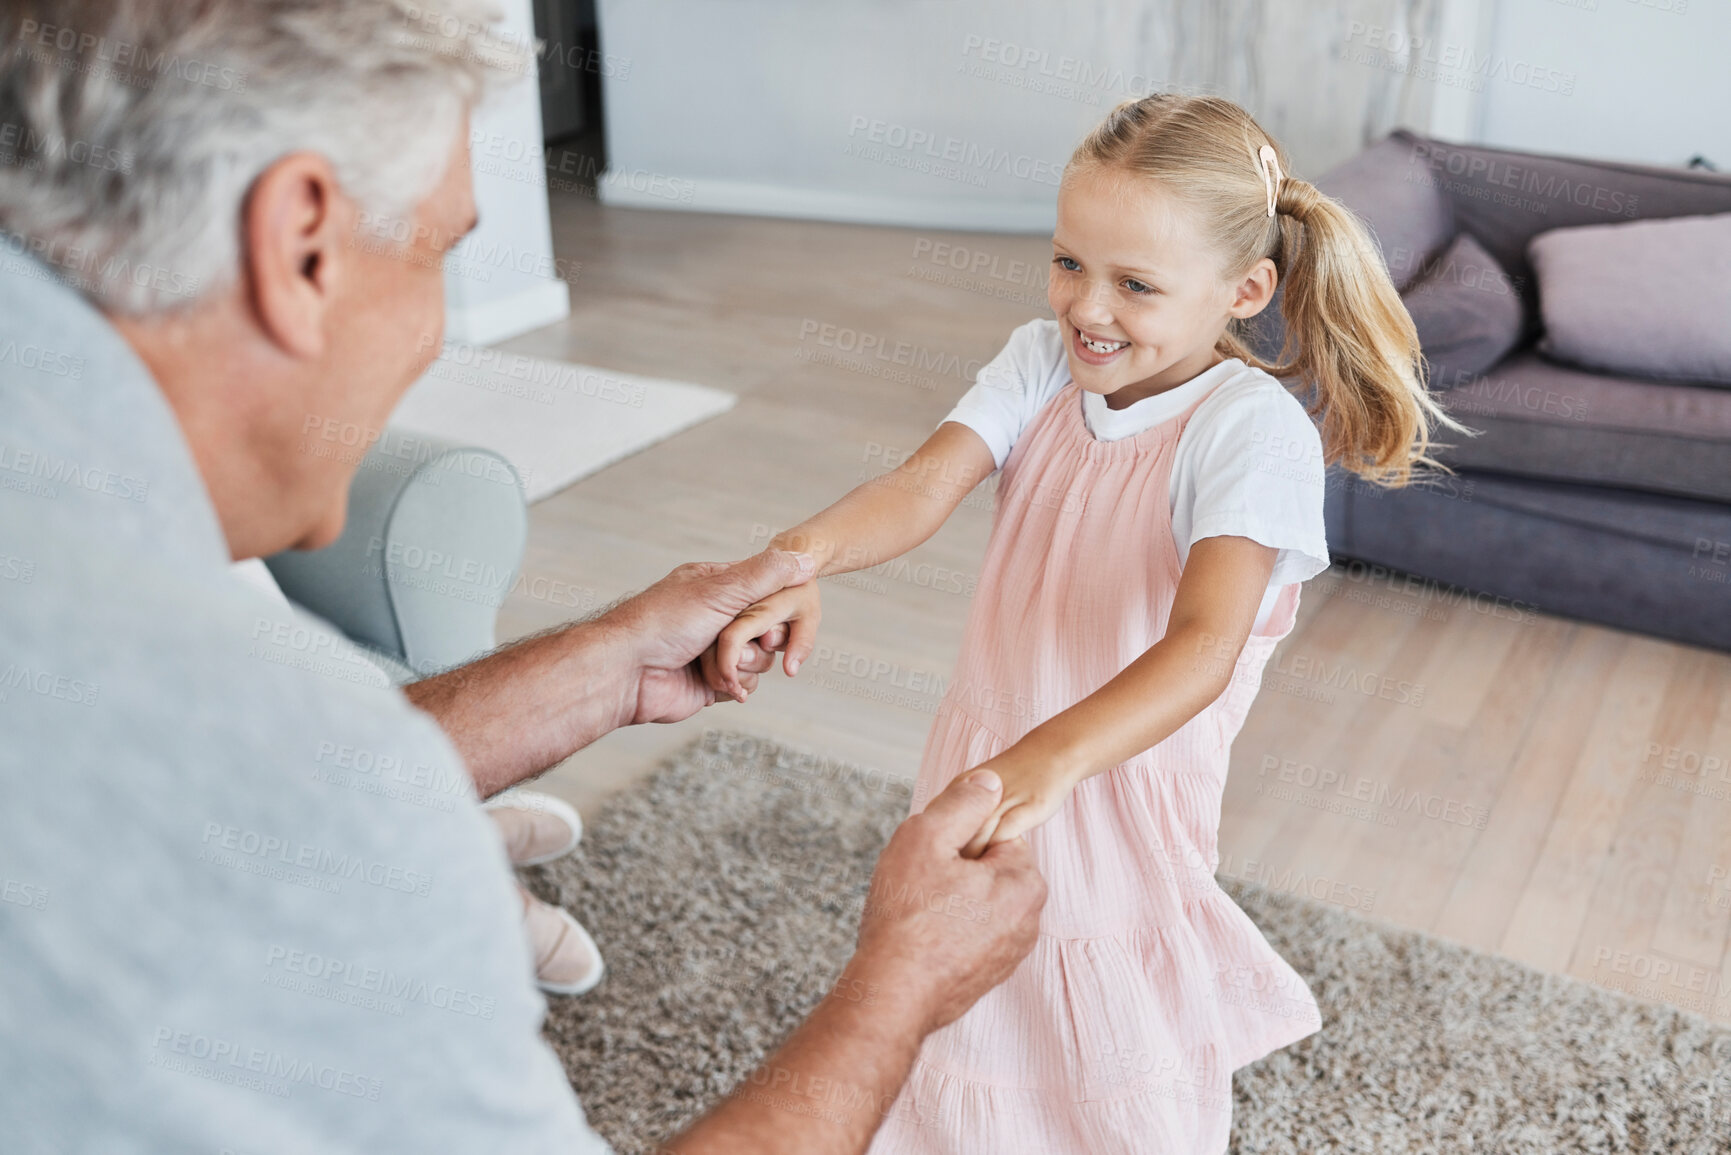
(1034,788)
(784,621)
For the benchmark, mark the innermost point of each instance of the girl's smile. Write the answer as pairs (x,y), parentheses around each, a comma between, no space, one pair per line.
(1093,348)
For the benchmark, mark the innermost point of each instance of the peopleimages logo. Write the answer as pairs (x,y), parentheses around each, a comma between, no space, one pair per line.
(1493,178)
(64,471)
(267,849)
(342,980)
(124,60)
(257,1068)
(23,894)
(864,347)
(1342,676)
(1379,794)
(1067,77)
(26,147)
(31,356)
(1448,62)
(871,136)
(48,684)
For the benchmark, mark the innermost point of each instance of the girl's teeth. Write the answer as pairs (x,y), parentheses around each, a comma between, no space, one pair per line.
(1103,346)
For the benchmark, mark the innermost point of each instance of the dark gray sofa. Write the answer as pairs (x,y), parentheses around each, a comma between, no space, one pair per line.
(1592,496)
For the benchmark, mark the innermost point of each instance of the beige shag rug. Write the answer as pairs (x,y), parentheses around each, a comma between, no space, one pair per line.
(725,893)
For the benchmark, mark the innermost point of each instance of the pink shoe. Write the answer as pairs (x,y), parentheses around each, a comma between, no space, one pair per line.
(567,961)
(536,827)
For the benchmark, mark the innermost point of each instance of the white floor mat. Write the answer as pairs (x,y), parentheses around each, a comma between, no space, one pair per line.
(557,422)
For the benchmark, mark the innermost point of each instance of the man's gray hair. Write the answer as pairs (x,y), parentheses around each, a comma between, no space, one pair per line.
(132,130)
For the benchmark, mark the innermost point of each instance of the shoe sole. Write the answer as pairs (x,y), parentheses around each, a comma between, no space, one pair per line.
(585,985)
(548,804)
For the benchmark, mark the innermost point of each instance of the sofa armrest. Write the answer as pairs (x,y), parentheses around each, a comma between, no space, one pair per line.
(433,541)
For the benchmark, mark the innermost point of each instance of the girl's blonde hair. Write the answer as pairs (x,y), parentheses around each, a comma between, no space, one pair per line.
(1348,336)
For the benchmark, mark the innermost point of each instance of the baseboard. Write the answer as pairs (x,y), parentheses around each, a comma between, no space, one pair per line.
(762,200)
(529,308)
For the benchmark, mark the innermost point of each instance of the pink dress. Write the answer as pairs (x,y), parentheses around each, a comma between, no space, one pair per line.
(1148,986)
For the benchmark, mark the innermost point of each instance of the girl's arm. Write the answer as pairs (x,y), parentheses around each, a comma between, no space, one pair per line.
(1179,676)
(877,521)
(892,513)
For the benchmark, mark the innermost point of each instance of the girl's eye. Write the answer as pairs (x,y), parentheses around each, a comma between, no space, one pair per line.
(1068,265)
(1136,286)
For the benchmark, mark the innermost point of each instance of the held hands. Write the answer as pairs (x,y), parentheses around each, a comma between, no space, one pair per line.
(785,621)
(942,929)
(666,628)
(1035,786)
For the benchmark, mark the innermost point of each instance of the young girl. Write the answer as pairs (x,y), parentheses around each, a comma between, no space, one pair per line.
(1160,502)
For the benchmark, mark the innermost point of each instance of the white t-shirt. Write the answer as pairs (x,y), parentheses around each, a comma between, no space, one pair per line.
(1249,463)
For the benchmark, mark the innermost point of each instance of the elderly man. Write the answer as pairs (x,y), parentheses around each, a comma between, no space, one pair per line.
(189,269)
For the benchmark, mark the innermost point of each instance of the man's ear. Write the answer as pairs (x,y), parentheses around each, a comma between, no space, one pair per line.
(1254,290)
(295,233)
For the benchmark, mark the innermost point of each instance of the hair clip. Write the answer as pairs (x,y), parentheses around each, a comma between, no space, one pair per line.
(1270,168)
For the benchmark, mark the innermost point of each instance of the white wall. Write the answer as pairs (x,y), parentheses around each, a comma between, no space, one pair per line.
(960,113)
(956,112)
(503,279)
(1651,81)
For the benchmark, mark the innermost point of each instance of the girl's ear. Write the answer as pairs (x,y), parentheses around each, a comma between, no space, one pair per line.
(1253,292)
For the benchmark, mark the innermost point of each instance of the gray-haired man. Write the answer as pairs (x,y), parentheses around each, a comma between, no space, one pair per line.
(203,945)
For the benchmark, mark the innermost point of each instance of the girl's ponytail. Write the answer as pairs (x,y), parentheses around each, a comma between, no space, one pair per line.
(1351,351)
(1351,339)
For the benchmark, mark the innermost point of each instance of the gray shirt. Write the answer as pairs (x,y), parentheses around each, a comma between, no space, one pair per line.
(248,902)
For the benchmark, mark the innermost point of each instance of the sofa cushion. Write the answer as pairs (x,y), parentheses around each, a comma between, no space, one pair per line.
(1545,420)
(1507,198)
(1410,219)
(1466,310)
(1646,298)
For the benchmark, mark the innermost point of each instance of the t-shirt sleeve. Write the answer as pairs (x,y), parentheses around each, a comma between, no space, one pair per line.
(1012,388)
(1251,465)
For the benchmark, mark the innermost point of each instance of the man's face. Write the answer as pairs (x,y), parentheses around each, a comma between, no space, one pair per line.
(384,331)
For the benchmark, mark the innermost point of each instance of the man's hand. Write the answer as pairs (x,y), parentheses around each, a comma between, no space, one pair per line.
(938,931)
(524,707)
(941,927)
(668,626)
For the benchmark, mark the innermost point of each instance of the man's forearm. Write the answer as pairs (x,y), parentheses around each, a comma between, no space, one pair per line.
(518,711)
(832,1083)
(526,707)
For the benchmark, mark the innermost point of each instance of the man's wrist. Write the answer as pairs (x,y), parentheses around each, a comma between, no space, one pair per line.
(894,994)
(830,1085)
(618,643)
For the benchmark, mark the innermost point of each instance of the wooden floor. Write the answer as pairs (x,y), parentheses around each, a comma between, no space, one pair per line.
(1556,792)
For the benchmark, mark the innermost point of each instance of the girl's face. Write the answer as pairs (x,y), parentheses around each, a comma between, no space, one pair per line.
(1140,296)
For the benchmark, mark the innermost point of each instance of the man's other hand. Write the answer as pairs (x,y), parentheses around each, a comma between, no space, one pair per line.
(941,929)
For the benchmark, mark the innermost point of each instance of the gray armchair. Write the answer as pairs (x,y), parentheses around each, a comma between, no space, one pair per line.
(433,543)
